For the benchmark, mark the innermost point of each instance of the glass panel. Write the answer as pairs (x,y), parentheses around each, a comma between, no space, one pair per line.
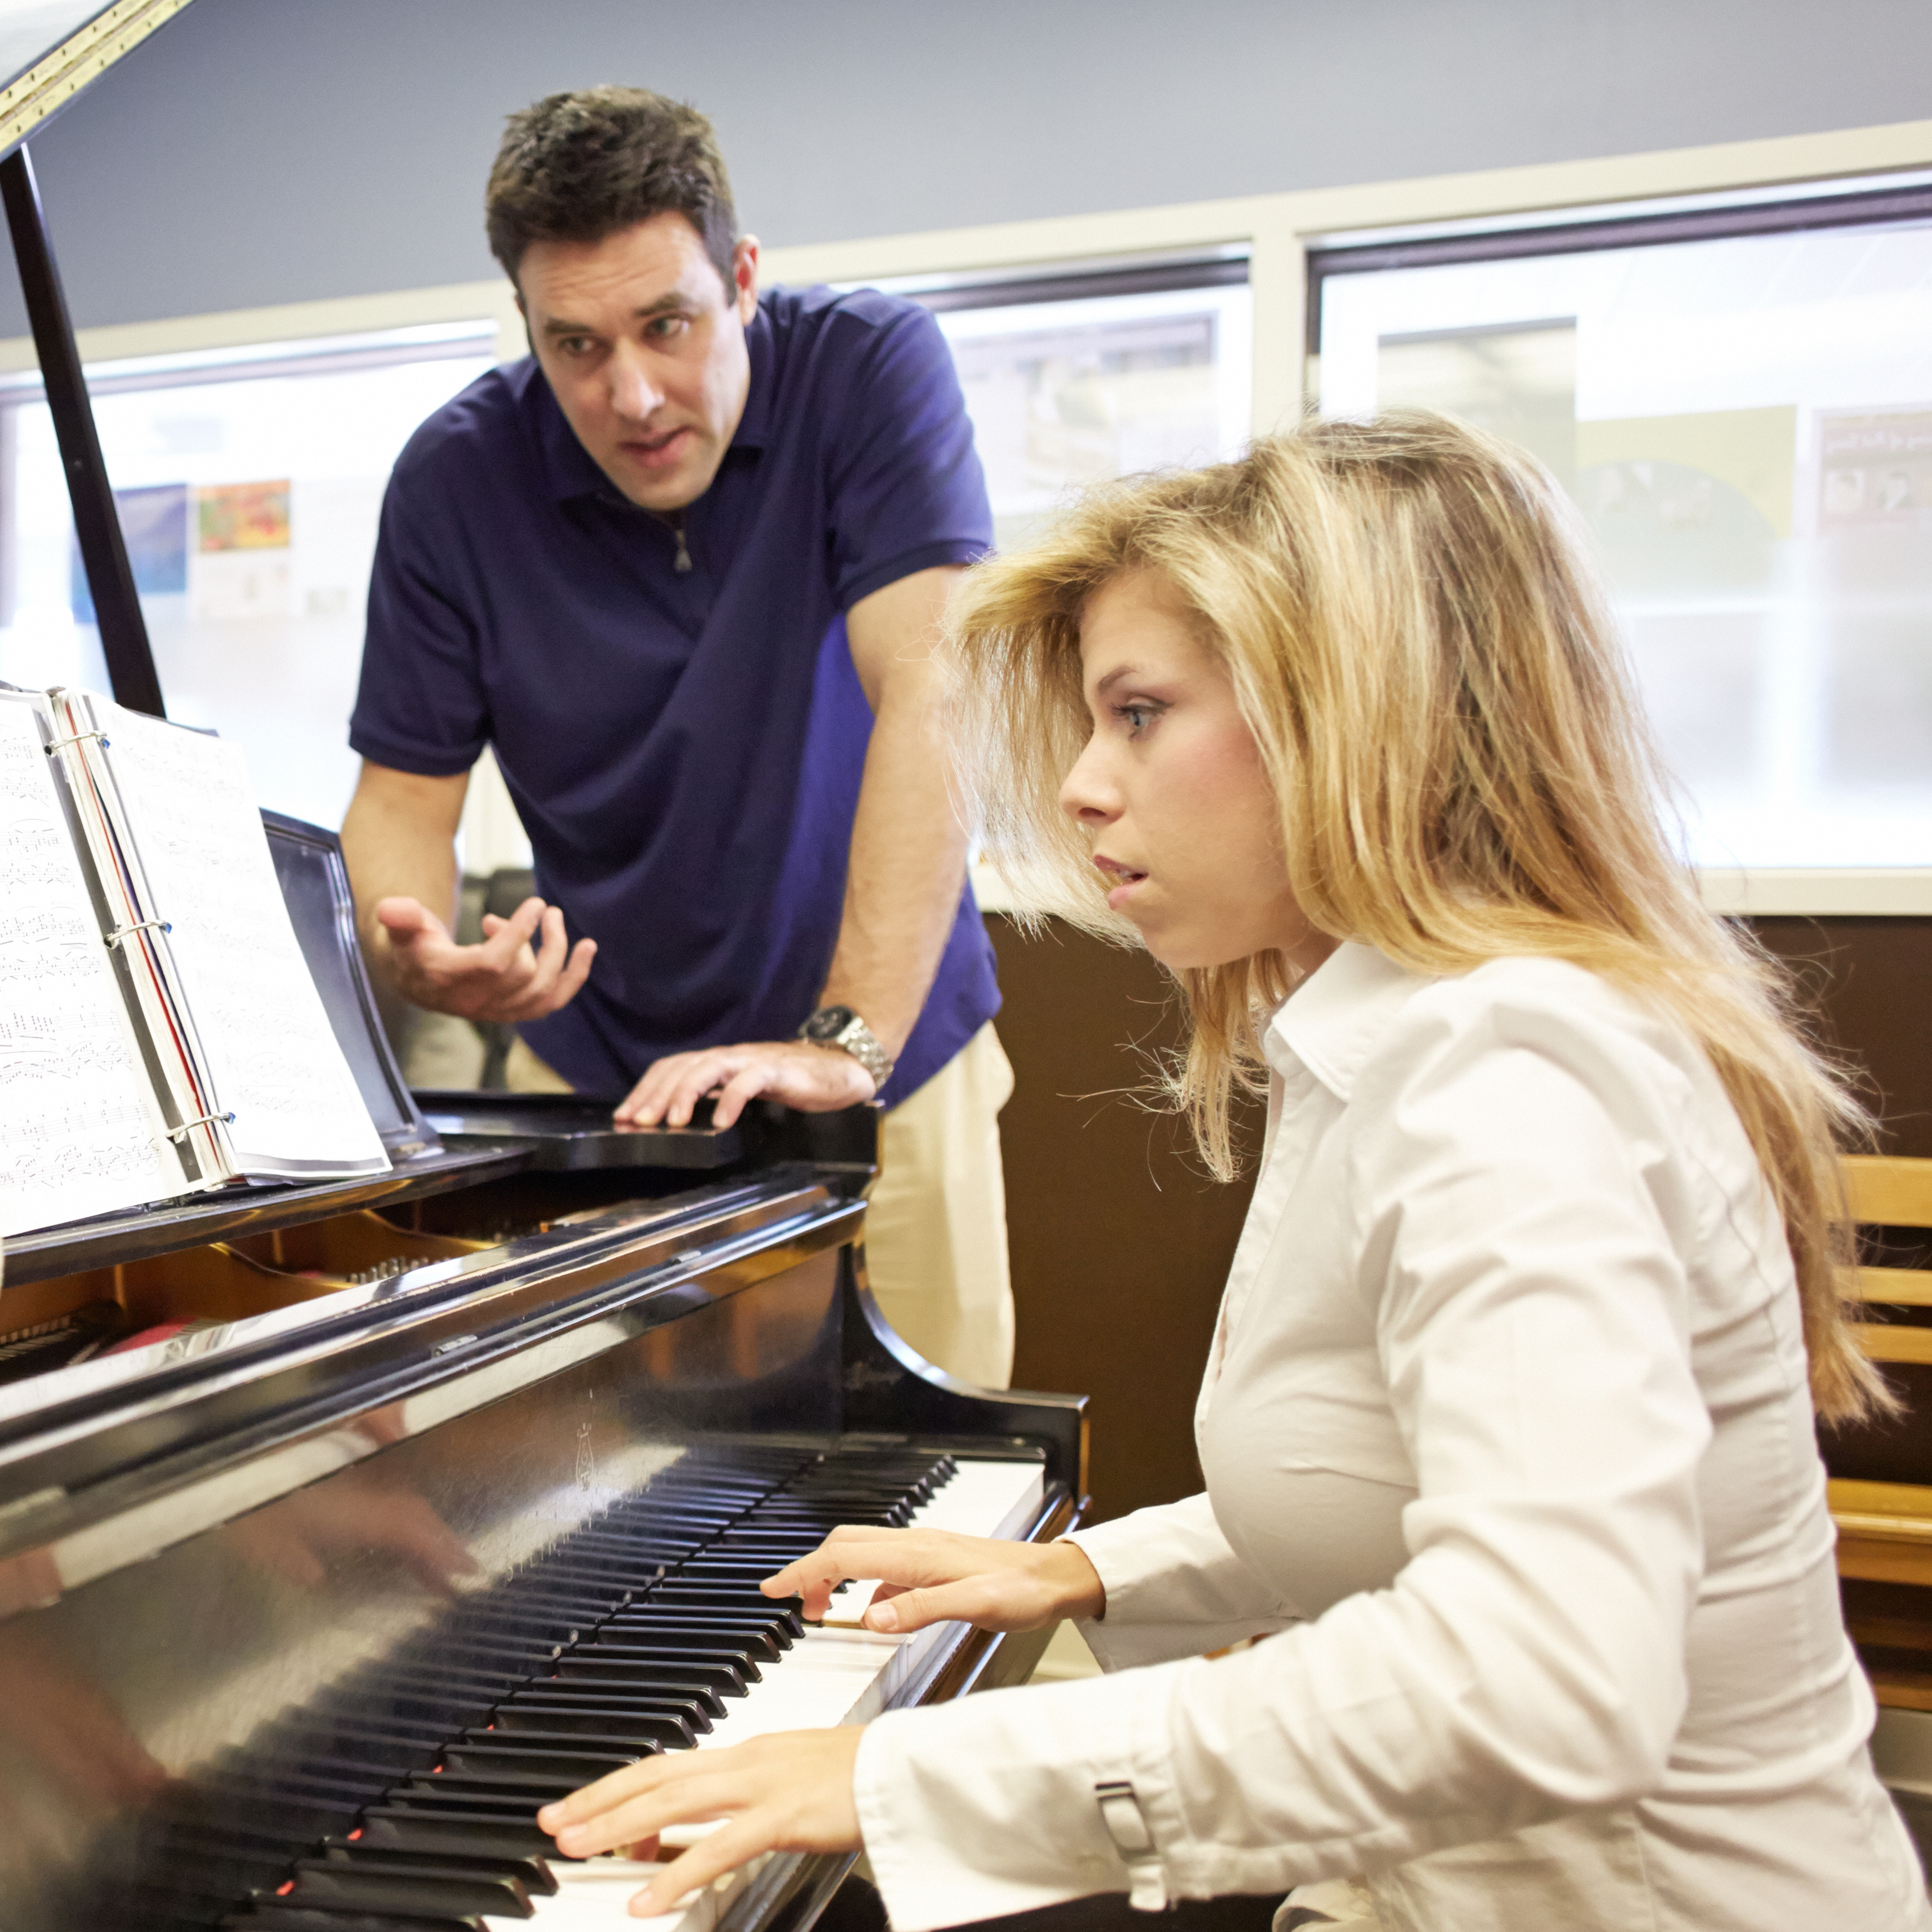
(249,506)
(1066,393)
(1746,424)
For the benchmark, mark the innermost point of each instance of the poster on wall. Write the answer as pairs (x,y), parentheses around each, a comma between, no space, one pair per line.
(243,538)
(1875,470)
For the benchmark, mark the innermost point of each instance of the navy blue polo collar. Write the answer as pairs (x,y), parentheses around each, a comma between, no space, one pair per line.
(573,471)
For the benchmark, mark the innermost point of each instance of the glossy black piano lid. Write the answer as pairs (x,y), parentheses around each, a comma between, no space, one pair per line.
(172,1723)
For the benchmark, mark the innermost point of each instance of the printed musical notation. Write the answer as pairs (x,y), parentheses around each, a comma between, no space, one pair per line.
(76,1135)
(272,1051)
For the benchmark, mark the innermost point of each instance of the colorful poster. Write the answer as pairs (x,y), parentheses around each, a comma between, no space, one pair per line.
(244,516)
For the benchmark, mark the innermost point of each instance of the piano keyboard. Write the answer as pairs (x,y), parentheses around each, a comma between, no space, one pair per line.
(831,1675)
(642,1629)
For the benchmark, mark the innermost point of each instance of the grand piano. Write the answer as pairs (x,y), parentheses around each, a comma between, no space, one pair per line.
(343,1524)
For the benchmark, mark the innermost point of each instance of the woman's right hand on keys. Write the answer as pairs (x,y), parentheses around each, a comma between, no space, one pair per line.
(931,1575)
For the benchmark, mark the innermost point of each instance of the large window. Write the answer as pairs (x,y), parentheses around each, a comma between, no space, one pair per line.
(1074,375)
(248,483)
(1739,399)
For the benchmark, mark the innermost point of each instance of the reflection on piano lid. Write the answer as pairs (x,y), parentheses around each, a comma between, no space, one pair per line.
(644,1630)
(470,1538)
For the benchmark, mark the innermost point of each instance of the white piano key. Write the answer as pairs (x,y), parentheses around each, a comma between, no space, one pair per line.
(983,1498)
(831,1675)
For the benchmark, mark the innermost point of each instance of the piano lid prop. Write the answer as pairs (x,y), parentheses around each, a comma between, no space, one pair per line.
(46,79)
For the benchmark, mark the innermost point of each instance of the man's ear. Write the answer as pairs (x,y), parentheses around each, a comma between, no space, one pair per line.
(745,276)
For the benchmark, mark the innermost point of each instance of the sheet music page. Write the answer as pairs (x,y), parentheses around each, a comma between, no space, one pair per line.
(272,1051)
(79,1132)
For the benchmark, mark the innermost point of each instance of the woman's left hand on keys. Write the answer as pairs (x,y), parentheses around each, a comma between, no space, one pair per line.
(791,1791)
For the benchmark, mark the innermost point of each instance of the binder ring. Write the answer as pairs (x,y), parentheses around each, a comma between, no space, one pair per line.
(122,932)
(53,745)
(181,1133)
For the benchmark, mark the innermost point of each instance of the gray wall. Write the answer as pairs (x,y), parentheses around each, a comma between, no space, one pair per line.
(269,151)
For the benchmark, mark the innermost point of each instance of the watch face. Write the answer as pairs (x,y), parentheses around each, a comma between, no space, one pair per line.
(829,1022)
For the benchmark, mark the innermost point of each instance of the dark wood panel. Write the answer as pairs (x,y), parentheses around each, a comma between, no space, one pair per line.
(1120,1242)
(1868,980)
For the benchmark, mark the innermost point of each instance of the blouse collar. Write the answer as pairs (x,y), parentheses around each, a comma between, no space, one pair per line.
(1330,1023)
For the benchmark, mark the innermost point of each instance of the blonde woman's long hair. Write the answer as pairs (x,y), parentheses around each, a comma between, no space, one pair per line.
(1432,675)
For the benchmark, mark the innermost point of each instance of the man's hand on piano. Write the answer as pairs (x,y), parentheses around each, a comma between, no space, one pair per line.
(791,1791)
(932,1576)
(525,967)
(817,1079)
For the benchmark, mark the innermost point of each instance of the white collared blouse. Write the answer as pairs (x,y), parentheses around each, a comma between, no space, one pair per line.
(1506,1436)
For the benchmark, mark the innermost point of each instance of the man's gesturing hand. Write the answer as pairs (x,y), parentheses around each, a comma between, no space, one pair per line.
(524,968)
(932,1576)
(791,1791)
(815,1078)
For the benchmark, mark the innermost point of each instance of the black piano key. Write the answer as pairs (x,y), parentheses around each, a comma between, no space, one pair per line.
(534,1755)
(885,1509)
(426,1706)
(745,1598)
(775,1551)
(273,1915)
(438,1797)
(766,1639)
(281,1800)
(603,1568)
(823,1491)
(187,1862)
(549,1590)
(655,1723)
(458,1685)
(725,1673)
(529,1870)
(480,1788)
(699,1702)
(405,1888)
(484,1657)
(501,1834)
(501,1625)
(637,1546)
(631,1733)
(702,1597)
(567,1599)
(736,1575)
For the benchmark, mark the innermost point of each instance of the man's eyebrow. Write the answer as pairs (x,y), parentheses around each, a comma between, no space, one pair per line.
(558,325)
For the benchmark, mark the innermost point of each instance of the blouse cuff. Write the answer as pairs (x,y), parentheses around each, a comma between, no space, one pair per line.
(986,1806)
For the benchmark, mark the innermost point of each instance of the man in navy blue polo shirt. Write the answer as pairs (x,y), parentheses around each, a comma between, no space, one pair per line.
(683,569)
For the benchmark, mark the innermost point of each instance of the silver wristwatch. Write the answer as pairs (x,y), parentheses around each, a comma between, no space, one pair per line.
(840,1028)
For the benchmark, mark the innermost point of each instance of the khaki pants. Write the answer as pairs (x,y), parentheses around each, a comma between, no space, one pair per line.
(936,1219)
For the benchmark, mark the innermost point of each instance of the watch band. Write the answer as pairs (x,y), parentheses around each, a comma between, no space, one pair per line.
(841,1028)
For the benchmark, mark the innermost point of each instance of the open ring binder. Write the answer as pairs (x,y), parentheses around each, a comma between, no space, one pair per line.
(53,745)
(122,932)
(182,1133)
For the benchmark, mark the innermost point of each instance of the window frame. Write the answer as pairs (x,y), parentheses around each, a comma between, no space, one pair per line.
(1277,233)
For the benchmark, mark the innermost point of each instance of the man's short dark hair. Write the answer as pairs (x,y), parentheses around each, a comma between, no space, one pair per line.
(577,167)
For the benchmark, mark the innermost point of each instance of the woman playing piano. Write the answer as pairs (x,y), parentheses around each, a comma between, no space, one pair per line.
(1507,1425)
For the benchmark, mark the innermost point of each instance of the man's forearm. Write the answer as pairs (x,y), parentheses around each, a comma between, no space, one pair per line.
(903,881)
(398,842)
